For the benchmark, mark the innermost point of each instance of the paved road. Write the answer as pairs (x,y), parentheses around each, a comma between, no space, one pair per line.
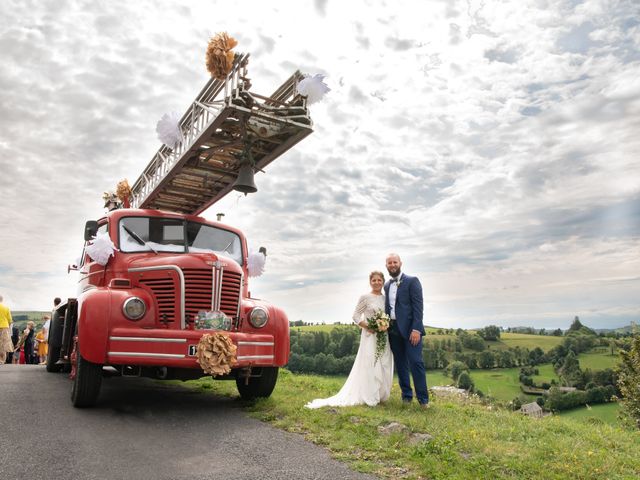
(141,429)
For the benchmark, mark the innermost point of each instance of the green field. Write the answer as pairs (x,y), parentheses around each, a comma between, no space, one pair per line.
(523,340)
(606,412)
(545,374)
(502,384)
(598,360)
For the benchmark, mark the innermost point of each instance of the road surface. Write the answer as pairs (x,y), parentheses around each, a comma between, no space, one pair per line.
(141,429)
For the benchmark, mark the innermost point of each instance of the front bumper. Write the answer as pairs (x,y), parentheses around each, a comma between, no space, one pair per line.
(176,348)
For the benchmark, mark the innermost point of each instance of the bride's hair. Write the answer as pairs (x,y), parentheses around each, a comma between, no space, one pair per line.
(374,273)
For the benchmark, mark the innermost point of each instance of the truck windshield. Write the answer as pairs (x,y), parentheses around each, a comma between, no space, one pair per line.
(146,234)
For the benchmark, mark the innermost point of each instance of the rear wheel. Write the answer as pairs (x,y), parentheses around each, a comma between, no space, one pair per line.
(86,381)
(260,386)
(55,342)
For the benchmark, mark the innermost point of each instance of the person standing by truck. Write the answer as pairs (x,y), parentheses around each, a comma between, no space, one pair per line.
(6,345)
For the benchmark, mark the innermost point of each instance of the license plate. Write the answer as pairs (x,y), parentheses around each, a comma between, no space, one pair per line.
(192,350)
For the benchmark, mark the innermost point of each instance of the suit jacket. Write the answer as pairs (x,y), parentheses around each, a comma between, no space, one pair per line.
(409,305)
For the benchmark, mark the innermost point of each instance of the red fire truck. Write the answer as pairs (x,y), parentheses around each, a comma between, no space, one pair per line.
(138,313)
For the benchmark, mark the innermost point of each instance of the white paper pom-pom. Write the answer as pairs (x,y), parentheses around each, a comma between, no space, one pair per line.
(168,129)
(313,88)
(101,248)
(256,262)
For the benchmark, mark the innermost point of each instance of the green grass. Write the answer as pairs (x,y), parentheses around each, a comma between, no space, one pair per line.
(523,340)
(545,374)
(598,360)
(470,440)
(606,412)
(503,384)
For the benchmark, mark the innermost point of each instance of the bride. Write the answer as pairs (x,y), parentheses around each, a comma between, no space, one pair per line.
(369,380)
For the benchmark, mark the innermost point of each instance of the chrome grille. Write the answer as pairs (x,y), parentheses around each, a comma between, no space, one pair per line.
(198,292)
(164,292)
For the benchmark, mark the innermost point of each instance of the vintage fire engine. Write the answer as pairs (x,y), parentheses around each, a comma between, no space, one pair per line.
(138,314)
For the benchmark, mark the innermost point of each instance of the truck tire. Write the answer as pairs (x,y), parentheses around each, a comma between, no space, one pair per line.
(258,387)
(86,383)
(55,342)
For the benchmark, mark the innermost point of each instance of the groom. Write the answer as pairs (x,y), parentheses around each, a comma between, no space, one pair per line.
(403,303)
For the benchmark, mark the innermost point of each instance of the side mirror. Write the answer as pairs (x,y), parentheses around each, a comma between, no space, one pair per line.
(90,230)
(73,267)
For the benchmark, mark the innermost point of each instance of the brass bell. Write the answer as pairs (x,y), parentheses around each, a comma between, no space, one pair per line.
(244,182)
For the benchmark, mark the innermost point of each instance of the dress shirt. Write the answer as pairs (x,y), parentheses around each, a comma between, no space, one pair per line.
(393,291)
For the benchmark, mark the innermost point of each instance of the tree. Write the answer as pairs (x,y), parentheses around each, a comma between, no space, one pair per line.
(487,359)
(576,326)
(473,342)
(557,332)
(629,380)
(491,333)
(464,381)
(570,372)
(456,369)
(536,356)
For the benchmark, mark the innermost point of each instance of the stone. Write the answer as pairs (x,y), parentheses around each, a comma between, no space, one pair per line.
(416,438)
(393,427)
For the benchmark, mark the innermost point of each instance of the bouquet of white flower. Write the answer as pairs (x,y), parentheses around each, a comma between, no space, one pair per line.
(379,322)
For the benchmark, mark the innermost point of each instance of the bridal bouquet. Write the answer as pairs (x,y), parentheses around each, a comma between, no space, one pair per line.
(379,323)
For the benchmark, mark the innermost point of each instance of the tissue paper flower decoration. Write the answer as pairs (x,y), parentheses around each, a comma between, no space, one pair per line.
(124,192)
(111,201)
(313,88)
(168,129)
(101,248)
(219,57)
(255,263)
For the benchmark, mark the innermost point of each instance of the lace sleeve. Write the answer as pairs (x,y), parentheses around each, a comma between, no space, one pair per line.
(359,310)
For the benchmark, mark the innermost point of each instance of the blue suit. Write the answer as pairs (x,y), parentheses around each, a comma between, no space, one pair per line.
(407,357)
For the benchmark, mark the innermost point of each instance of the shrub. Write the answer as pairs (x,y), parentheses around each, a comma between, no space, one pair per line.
(629,380)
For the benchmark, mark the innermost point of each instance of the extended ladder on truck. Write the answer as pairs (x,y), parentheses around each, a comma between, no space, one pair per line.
(225,126)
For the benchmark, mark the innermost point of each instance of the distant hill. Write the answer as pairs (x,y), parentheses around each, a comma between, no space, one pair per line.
(21,317)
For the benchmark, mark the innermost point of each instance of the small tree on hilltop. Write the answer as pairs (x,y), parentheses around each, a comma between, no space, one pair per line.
(629,380)
(576,325)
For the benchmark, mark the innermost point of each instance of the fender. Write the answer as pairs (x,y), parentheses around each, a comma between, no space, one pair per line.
(280,328)
(94,312)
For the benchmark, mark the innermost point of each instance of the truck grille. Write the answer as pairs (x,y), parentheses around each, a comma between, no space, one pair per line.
(198,285)
(198,292)
(164,291)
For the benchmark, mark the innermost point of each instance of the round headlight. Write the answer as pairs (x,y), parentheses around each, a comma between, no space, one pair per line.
(134,308)
(259,317)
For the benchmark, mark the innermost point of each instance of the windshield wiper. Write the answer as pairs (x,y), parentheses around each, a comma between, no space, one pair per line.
(225,248)
(137,238)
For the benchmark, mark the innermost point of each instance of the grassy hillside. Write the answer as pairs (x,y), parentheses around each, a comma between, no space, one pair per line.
(605,412)
(467,439)
(21,317)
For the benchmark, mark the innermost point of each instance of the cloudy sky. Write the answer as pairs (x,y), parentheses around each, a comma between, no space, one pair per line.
(493,144)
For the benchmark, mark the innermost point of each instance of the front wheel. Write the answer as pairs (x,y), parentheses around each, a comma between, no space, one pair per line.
(86,381)
(259,386)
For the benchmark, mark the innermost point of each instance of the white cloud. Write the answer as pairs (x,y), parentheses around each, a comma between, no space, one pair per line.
(492,145)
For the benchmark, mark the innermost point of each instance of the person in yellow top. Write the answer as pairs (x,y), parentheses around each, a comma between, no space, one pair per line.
(6,345)
(43,346)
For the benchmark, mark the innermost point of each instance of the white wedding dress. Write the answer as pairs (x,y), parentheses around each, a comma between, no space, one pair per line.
(369,381)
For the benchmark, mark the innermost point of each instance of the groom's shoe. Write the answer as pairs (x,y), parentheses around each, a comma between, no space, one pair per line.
(425,406)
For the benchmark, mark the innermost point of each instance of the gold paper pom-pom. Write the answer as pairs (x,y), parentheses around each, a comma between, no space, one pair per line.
(216,353)
(123,190)
(219,57)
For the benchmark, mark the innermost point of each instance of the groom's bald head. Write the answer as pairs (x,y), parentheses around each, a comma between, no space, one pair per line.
(394,264)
